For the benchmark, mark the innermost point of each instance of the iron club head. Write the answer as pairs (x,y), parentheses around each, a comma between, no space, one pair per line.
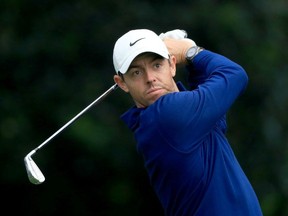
(34,173)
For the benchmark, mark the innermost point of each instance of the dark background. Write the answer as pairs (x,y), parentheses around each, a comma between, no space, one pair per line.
(56,58)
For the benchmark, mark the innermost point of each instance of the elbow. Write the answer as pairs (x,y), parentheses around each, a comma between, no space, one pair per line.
(243,77)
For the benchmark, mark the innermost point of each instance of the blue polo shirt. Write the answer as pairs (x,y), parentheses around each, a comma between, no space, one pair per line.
(181,138)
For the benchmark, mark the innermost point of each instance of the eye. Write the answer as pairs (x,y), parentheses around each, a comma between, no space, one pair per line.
(157,65)
(136,73)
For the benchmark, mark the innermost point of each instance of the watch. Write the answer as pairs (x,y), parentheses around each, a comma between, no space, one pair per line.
(192,52)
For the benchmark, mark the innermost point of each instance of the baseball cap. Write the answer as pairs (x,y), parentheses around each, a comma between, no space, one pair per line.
(133,43)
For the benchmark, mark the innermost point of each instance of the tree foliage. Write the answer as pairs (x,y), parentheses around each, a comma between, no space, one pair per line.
(56,58)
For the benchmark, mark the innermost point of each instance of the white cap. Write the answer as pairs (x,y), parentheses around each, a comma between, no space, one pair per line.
(133,43)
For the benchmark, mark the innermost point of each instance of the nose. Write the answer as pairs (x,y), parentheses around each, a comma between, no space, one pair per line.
(150,76)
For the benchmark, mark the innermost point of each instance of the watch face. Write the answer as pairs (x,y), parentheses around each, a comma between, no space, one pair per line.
(191,52)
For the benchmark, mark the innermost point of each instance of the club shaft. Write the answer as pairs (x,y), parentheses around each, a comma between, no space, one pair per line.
(115,86)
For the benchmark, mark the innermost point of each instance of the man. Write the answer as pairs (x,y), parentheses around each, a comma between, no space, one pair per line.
(181,133)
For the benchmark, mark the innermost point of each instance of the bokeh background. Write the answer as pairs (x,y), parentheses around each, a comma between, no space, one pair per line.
(56,58)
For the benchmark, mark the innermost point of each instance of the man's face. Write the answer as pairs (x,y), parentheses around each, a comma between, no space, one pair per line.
(149,77)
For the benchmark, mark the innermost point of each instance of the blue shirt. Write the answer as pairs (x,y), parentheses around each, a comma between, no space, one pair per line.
(181,137)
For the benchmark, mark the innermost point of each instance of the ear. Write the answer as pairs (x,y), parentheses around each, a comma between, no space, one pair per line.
(173,65)
(120,82)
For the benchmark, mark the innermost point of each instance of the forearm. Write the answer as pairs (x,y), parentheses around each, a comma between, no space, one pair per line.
(206,63)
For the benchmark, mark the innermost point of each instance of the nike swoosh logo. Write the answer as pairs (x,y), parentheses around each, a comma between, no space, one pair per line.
(132,44)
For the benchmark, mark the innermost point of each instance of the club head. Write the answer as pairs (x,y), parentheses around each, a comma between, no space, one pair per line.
(34,173)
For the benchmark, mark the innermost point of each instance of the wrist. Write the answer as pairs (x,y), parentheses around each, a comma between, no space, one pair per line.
(192,52)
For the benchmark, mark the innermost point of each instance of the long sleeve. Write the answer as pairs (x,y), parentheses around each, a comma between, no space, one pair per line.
(204,64)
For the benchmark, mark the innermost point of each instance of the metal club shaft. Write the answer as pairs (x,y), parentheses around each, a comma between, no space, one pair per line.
(34,173)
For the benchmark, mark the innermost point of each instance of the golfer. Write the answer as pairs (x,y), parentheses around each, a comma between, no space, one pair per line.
(180,133)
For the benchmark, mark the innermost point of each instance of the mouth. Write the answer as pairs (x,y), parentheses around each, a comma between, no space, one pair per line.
(153,90)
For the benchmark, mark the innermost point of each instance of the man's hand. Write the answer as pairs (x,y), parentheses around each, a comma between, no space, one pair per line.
(177,44)
(175,34)
(179,48)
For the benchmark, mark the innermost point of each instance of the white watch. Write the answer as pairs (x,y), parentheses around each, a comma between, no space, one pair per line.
(192,52)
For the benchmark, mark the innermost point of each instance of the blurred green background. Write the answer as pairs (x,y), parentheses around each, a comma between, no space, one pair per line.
(56,58)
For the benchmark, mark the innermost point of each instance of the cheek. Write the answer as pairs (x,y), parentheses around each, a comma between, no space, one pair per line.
(135,90)
(134,85)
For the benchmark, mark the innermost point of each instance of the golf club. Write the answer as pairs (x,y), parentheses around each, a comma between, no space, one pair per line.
(34,173)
